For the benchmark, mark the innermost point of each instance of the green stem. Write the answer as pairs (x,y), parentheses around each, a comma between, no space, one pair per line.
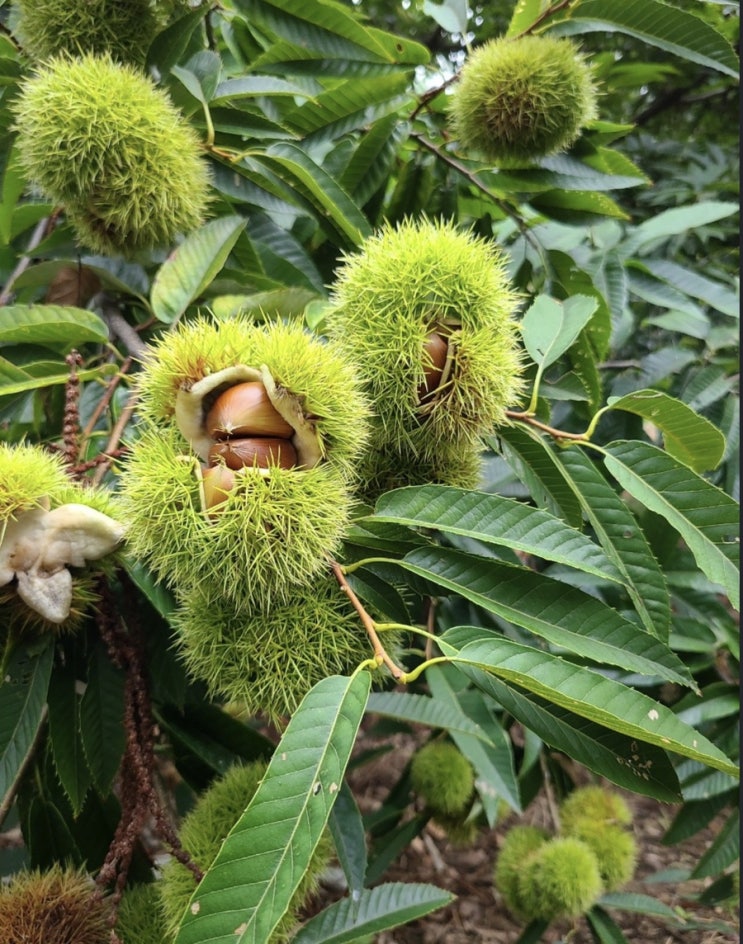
(350,568)
(416,673)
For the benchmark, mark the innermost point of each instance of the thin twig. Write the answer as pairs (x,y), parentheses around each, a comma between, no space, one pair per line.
(428,96)
(556,433)
(42,229)
(105,399)
(121,329)
(380,653)
(114,439)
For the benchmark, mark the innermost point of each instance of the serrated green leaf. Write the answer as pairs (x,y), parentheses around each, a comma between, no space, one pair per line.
(549,327)
(211,735)
(64,734)
(582,691)
(603,927)
(171,43)
(494,520)
(689,437)
(254,86)
(102,719)
(577,206)
(564,615)
(61,327)
(639,904)
(328,31)
(349,106)
(249,886)
(335,211)
(724,851)
(48,836)
(619,533)
(534,460)
(54,380)
(630,764)
(349,838)
(23,691)
(713,293)
(675,221)
(705,517)
(370,165)
(420,709)
(377,909)
(192,266)
(658,24)
(493,763)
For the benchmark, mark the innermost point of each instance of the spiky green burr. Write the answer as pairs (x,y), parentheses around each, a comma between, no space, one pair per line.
(443,777)
(561,879)
(202,833)
(615,850)
(520,844)
(406,283)
(266,660)
(521,99)
(98,138)
(122,28)
(599,817)
(384,468)
(272,533)
(596,804)
(141,919)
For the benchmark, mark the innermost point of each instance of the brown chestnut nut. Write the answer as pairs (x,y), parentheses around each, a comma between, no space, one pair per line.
(218,481)
(245,410)
(435,350)
(261,452)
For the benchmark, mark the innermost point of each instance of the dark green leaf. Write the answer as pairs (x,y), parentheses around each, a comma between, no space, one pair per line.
(102,719)
(565,616)
(534,460)
(192,266)
(724,851)
(23,692)
(603,928)
(494,520)
(349,839)
(629,763)
(66,741)
(623,540)
(659,24)
(58,326)
(376,910)
(686,435)
(705,517)
(493,762)
(49,839)
(582,691)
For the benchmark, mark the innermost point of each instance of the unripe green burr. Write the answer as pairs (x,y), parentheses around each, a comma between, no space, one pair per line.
(521,99)
(519,845)
(595,804)
(100,139)
(121,28)
(266,660)
(560,880)
(615,850)
(443,777)
(141,919)
(405,285)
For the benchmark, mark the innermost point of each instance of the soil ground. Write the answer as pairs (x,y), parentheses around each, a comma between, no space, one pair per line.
(477,916)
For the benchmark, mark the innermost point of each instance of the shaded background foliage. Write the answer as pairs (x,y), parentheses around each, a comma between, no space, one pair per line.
(317,131)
